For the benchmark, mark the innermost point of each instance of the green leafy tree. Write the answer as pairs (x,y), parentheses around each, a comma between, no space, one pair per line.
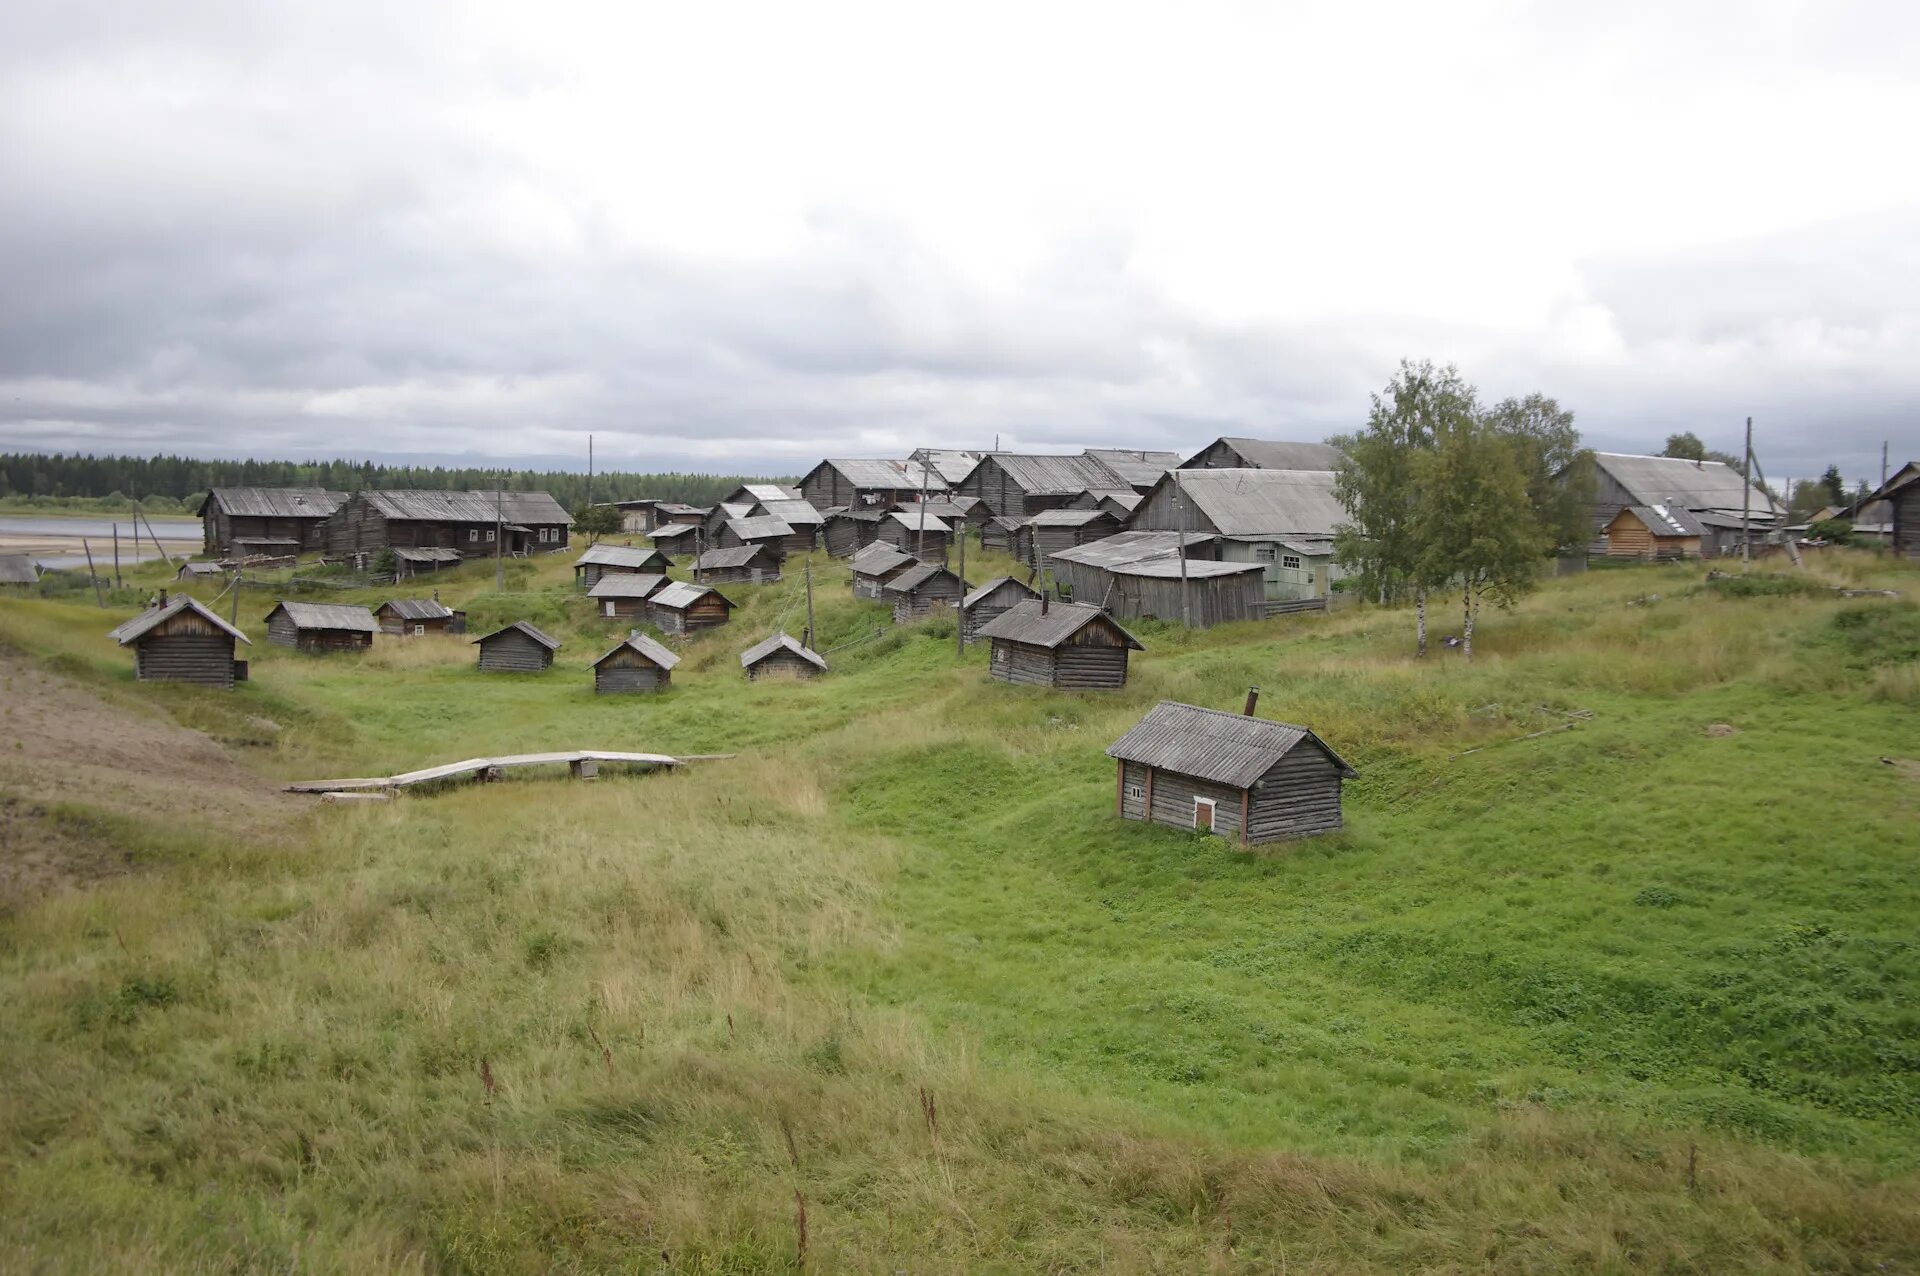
(1687,447)
(1559,472)
(595,521)
(1473,521)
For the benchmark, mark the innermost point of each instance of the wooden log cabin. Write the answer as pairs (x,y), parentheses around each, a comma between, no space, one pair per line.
(913,532)
(875,567)
(1229,774)
(473,524)
(1018,485)
(418,618)
(989,601)
(623,595)
(602,560)
(1901,493)
(635,664)
(280,522)
(848,531)
(1001,535)
(182,640)
(859,482)
(682,608)
(516,648)
(1653,533)
(1068,646)
(1051,531)
(923,591)
(321,627)
(806,522)
(781,656)
(749,564)
(676,540)
(764,530)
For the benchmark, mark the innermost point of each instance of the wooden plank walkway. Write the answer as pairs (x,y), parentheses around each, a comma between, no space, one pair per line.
(574,758)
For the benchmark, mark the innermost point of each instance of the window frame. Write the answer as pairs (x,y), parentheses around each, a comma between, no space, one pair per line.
(1213,813)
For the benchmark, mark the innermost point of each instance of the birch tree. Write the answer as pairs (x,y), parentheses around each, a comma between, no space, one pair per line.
(1472,520)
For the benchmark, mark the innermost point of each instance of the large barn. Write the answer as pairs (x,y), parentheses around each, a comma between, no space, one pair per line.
(1016,484)
(635,664)
(1070,646)
(520,647)
(1283,520)
(182,640)
(472,524)
(852,482)
(1676,483)
(279,522)
(1229,774)
(321,627)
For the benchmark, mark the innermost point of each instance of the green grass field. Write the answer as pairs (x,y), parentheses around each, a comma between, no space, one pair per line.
(1637,995)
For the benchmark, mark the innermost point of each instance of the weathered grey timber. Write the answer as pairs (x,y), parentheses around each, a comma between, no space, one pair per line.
(577,761)
(625,595)
(243,521)
(1141,470)
(923,591)
(781,656)
(321,627)
(467,522)
(915,532)
(763,530)
(635,664)
(181,640)
(682,608)
(805,521)
(1051,531)
(756,564)
(1016,484)
(516,648)
(875,566)
(1001,535)
(601,560)
(1902,496)
(854,482)
(1230,774)
(848,531)
(990,600)
(1654,533)
(1264,454)
(19,569)
(1070,646)
(417,617)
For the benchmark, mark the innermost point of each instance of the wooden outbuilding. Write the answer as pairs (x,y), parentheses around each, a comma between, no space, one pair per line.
(418,618)
(854,482)
(916,533)
(876,566)
(624,595)
(1017,484)
(1001,535)
(1071,646)
(182,640)
(781,656)
(923,591)
(1229,774)
(279,522)
(990,600)
(18,569)
(757,564)
(681,608)
(604,560)
(188,572)
(1653,533)
(1051,531)
(636,664)
(848,531)
(806,522)
(516,648)
(763,530)
(321,627)
(1900,496)
(675,539)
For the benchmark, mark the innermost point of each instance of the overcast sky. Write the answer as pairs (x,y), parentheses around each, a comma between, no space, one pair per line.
(741,237)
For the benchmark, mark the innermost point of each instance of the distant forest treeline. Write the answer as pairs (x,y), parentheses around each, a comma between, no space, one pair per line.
(182,480)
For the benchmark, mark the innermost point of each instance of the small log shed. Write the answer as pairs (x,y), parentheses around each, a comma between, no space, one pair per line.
(923,591)
(624,595)
(321,627)
(636,664)
(990,600)
(516,648)
(182,640)
(1070,646)
(781,656)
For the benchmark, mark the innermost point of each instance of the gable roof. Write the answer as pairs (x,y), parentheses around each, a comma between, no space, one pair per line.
(328,616)
(18,569)
(619,556)
(1211,744)
(914,577)
(1664,520)
(878,557)
(426,554)
(1027,623)
(416,505)
(273,502)
(780,642)
(918,519)
(674,531)
(416,609)
(763,527)
(1125,548)
(627,585)
(645,646)
(764,492)
(1903,478)
(732,556)
(681,594)
(869,474)
(951,464)
(1067,518)
(1253,503)
(1049,475)
(988,588)
(1273,454)
(797,512)
(130,630)
(1168,568)
(1676,481)
(1135,466)
(527,628)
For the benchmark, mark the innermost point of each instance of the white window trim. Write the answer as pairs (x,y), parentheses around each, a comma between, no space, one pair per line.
(609,612)
(419,631)
(1213,810)
(1290,561)
(473,533)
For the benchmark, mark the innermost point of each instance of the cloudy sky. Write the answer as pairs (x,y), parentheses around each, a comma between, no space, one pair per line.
(742,236)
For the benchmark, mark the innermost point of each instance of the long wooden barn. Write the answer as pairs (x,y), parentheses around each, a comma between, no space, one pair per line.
(923,591)
(1069,646)
(1229,774)
(990,600)
(182,640)
(520,647)
(280,522)
(682,608)
(418,617)
(781,656)
(635,664)
(472,524)
(321,627)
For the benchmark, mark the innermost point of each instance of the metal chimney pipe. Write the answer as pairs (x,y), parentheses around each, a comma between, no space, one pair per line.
(1046,596)
(1253,698)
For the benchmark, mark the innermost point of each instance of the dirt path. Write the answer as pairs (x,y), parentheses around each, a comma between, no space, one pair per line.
(61,744)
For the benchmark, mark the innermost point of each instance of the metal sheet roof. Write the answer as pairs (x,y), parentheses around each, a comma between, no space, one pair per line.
(467,507)
(1262,502)
(1124,548)
(274,502)
(1227,748)
(797,512)
(1136,467)
(1273,454)
(328,616)
(731,556)
(914,577)
(18,569)
(620,556)
(647,647)
(1676,481)
(780,642)
(994,584)
(919,520)
(627,585)
(868,474)
(755,492)
(1067,518)
(1027,623)
(682,594)
(878,557)
(146,620)
(527,628)
(1664,521)
(416,608)
(1044,475)
(761,528)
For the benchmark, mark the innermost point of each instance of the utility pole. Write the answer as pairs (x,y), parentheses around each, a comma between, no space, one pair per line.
(809,574)
(499,534)
(589,474)
(1746,500)
(90,576)
(960,612)
(1883,463)
(920,537)
(116,554)
(1180,550)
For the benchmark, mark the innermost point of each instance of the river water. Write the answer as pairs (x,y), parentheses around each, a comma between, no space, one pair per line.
(62,542)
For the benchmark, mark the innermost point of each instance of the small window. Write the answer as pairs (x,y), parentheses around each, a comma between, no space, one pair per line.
(1264,553)
(1000,655)
(473,533)
(419,631)
(1137,792)
(489,533)
(609,609)
(1290,561)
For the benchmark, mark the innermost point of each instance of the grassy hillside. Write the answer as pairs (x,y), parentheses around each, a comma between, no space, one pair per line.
(1636,994)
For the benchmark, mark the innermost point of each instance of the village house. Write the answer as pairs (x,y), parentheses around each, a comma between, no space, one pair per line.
(1069,646)
(636,516)
(321,627)
(1280,519)
(470,524)
(763,530)
(182,640)
(681,608)
(1901,497)
(951,464)
(847,483)
(1140,470)
(418,617)
(676,540)
(923,591)
(1115,576)
(781,657)
(1653,533)
(806,522)
(516,648)
(921,535)
(1229,774)
(1017,485)
(876,566)
(1701,488)
(751,564)
(1051,531)
(275,522)
(624,595)
(635,664)
(1264,454)
(848,531)
(604,560)
(989,601)
(18,570)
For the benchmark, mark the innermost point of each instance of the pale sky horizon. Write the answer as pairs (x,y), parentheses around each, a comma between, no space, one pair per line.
(742,237)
